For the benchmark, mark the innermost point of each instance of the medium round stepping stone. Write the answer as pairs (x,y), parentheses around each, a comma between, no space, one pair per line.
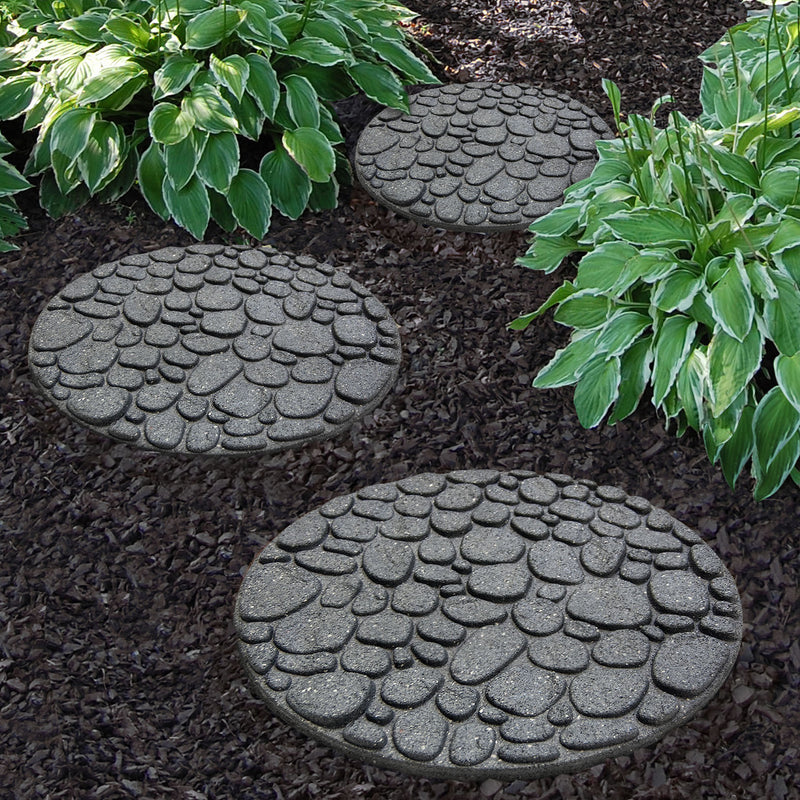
(482,650)
(215,350)
(478,156)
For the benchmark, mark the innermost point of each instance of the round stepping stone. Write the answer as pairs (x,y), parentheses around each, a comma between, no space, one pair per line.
(482,651)
(478,156)
(215,350)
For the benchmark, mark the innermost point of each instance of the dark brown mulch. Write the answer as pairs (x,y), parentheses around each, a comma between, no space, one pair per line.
(118,569)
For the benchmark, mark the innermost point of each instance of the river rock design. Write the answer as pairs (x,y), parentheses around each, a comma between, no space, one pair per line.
(215,350)
(479,156)
(487,624)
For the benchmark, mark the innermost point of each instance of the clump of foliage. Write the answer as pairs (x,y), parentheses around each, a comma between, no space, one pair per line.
(159,93)
(689,282)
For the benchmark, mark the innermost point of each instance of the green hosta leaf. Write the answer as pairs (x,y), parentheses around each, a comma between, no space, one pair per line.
(302,102)
(219,161)
(402,59)
(731,301)
(11,180)
(677,290)
(221,211)
(258,26)
(547,252)
(250,201)
(289,185)
(731,365)
(380,84)
(736,451)
(102,154)
(673,343)
(583,311)
(781,185)
(569,363)
(312,151)
(559,221)
(324,196)
(109,81)
(150,174)
(330,83)
(249,116)
(211,27)
(649,266)
(121,182)
(739,168)
(66,171)
(602,268)
(634,374)
(596,390)
(651,226)
(787,373)
(329,126)
(612,92)
(719,430)
(174,76)
(622,331)
(329,30)
(749,239)
(16,95)
(232,72)
(782,466)
(775,422)
(761,280)
(190,206)
(262,84)
(57,203)
(205,105)
(318,51)
(181,159)
(564,291)
(782,315)
(87,26)
(128,31)
(787,235)
(56,50)
(690,384)
(169,124)
(70,132)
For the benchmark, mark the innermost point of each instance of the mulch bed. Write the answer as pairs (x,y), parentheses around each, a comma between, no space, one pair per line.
(118,671)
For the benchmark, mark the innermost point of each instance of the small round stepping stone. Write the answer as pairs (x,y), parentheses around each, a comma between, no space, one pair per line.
(478,156)
(476,649)
(215,350)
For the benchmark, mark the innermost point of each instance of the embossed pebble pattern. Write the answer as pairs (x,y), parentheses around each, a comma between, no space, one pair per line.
(215,350)
(478,156)
(487,624)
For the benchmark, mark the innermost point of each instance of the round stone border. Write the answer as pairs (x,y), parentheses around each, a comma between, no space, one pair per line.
(478,156)
(485,624)
(215,350)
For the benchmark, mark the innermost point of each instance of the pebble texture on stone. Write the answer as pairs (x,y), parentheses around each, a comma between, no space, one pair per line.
(215,350)
(482,624)
(478,156)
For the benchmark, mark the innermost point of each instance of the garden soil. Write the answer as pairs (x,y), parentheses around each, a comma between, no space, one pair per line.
(119,676)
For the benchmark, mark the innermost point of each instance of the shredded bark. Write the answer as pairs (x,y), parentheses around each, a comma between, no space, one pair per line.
(118,671)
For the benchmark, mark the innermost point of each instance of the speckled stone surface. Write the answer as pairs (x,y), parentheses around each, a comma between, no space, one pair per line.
(482,624)
(478,156)
(215,350)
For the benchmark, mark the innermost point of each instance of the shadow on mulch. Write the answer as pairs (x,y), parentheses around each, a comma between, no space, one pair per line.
(118,671)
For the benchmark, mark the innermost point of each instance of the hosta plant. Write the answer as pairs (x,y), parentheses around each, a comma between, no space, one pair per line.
(688,282)
(162,93)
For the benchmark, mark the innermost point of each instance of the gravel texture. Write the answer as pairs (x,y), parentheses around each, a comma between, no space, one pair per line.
(119,675)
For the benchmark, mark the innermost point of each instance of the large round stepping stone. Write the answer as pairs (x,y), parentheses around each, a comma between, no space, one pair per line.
(215,350)
(478,156)
(480,644)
